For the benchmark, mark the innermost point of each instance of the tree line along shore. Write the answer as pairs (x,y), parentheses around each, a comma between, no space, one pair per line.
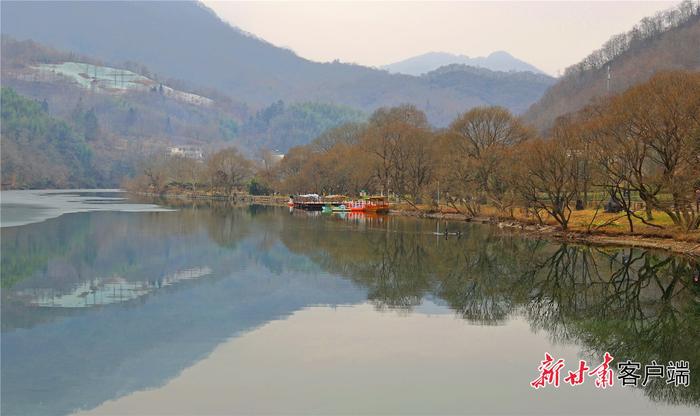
(628,164)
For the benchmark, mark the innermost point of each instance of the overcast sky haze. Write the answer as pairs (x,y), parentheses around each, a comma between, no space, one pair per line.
(549,35)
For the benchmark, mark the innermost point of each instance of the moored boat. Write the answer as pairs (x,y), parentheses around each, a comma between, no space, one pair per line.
(378,204)
(341,208)
(357,206)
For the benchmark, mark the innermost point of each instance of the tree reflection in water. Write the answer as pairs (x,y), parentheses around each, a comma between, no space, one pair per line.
(636,304)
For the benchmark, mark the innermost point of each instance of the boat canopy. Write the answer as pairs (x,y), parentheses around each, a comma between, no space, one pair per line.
(377,198)
(335,198)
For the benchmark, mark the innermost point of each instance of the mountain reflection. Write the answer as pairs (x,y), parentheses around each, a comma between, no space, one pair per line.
(265,263)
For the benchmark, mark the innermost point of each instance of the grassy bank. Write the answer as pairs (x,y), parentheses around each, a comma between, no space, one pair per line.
(586,226)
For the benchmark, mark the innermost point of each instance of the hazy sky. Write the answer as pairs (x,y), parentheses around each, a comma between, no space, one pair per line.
(549,35)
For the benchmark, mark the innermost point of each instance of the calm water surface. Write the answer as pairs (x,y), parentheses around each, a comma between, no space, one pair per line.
(112,306)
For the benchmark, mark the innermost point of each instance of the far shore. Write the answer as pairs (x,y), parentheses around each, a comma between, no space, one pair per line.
(690,247)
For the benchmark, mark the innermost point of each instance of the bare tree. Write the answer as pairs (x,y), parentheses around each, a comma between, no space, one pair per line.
(229,169)
(389,132)
(547,178)
(650,138)
(479,146)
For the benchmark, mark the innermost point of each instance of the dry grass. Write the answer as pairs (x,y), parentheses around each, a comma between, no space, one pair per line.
(587,220)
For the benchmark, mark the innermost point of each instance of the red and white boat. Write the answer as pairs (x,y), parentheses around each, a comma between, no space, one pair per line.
(357,206)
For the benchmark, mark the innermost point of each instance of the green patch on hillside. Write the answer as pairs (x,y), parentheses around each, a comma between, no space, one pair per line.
(39,151)
(281,126)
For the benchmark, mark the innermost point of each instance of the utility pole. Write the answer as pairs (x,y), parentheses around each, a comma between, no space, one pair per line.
(607,81)
(438,198)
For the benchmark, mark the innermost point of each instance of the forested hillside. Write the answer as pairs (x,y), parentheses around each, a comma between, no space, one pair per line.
(282,126)
(154,114)
(187,41)
(150,113)
(667,41)
(131,93)
(505,89)
(40,151)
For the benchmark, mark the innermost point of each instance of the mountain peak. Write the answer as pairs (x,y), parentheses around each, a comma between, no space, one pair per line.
(429,61)
(500,54)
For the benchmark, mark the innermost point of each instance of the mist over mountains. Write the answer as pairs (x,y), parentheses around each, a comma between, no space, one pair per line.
(496,61)
(204,82)
(187,41)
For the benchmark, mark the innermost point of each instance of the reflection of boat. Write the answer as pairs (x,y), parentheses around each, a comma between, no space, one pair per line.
(378,204)
(364,216)
(360,217)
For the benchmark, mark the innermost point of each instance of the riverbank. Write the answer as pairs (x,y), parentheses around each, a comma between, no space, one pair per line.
(689,247)
(688,244)
(242,198)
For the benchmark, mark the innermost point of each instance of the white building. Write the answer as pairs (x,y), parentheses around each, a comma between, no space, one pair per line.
(190,152)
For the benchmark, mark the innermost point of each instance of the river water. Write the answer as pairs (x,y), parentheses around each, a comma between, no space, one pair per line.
(113,306)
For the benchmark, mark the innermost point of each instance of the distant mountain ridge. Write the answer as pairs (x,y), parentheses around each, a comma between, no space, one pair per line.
(187,41)
(507,89)
(496,61)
